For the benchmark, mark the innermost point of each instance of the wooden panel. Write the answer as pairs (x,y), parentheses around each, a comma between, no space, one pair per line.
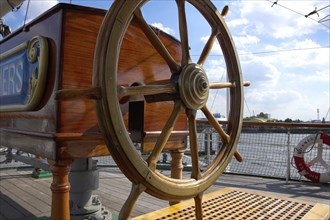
(139,62)
(80,31)
(71,32)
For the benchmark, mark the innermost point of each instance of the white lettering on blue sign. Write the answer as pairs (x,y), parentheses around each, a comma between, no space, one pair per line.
(11,78)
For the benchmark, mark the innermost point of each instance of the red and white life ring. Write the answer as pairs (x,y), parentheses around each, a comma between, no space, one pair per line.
(304,168)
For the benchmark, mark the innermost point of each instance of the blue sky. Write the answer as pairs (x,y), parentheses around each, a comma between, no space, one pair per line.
(282,53)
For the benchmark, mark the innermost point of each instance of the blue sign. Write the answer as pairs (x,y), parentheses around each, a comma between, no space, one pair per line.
(22,75)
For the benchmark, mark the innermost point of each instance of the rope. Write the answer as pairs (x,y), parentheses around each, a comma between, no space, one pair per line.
(27,10)
(307,16)
(292,164)
(216,94)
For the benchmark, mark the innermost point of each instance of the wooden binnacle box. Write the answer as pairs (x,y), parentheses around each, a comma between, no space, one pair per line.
(54,53)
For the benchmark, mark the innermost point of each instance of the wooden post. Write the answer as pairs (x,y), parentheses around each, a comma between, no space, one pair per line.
(176,167)
(60,190)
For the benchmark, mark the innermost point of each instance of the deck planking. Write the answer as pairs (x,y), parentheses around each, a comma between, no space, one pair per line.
(24,197)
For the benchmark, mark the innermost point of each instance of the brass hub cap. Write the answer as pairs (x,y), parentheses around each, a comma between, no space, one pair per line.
(193,86)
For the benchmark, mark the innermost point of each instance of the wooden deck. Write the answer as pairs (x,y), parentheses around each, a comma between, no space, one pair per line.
(24,197)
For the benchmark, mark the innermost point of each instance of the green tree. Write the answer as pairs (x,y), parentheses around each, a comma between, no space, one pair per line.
(262,115)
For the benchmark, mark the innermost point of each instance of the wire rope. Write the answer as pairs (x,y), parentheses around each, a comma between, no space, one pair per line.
(276,3)
(272,51)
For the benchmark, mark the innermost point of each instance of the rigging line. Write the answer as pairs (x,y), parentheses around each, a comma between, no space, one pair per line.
(323,19)
(322,8)
(288,50)
(274,3)
(274,51)
(247,106)
(216,94)
(27,10)
(327,114)
(298,13)
(315,11)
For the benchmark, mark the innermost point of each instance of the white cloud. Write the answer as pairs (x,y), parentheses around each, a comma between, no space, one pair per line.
(260,72)
(277,21)
(284,55)
(282,97)
(215,70)
(243,40)
(237,22)
(287,81)
(307,43)
(216,49)
(279,103)
(282,82)
(299,54)
(160,26)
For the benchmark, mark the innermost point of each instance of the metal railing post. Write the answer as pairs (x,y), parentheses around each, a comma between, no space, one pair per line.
(208,146)
(288,172)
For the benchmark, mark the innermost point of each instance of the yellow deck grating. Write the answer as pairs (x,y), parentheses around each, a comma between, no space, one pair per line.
(231,203)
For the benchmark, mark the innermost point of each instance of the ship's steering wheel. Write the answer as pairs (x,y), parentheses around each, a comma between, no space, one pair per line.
(190,86)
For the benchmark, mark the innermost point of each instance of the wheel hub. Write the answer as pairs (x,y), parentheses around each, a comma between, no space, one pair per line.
(193,86)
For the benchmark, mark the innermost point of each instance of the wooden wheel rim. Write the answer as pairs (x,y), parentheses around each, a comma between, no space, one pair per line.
(109,114)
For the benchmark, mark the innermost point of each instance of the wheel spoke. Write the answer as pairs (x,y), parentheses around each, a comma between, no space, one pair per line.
(199,208)
(191,114)
(156,42)
(145,90)
(183,32)
(213,121)
(208,47)
(222,85)
(225,11)
(165,135)
(238,156)
(129,204)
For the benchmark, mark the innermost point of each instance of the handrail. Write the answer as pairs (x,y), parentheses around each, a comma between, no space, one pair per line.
(277,124)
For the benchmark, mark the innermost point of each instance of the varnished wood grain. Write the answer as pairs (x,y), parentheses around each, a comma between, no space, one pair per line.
(139,62)
(70,67)
(80,31)
(76,94)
